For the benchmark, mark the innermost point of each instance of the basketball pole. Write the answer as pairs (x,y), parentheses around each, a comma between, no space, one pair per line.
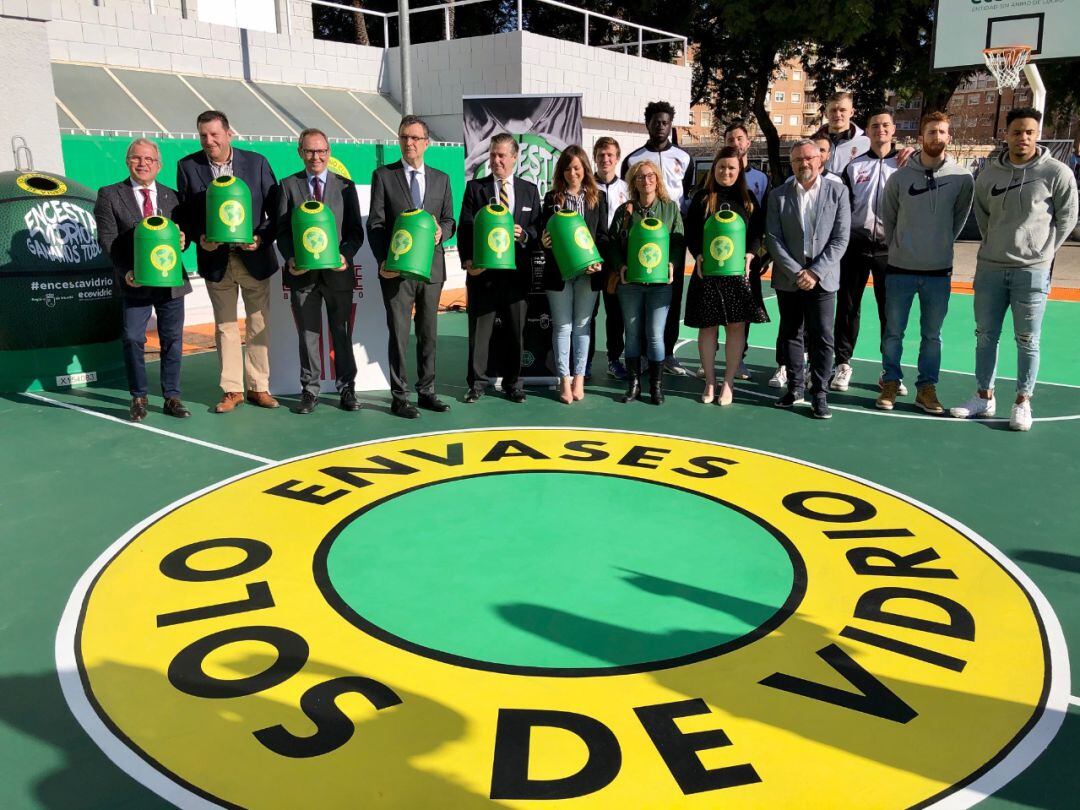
(1038,90)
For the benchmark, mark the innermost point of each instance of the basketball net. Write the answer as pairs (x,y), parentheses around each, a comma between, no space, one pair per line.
(1006,63)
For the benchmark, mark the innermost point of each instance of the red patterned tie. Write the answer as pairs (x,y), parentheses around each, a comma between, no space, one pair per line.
(316,184)
(147,206)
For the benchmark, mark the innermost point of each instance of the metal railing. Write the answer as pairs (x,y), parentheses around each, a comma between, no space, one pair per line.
(665,37)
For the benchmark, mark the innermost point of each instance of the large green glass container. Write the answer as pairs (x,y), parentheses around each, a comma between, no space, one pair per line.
(647,251)
(412,244)
(315,237)
(724,245)
(228,211)
(157,253)
(493,238)
(572,243)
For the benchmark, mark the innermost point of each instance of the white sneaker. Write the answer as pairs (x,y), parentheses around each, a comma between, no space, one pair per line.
(779,378)
(841,378)
(976,408)
(901,391)
(1020,418)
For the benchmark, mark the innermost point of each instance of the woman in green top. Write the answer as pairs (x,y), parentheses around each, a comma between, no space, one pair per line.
(645,306)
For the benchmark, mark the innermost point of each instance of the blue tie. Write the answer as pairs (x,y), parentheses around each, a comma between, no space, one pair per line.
(414,189)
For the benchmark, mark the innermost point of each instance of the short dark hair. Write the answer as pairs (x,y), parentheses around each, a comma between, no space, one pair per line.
(604,143)
(881,111)
(1022,112)
(311,131)
(504,137)
(734,125)
(409,120)
(212,115)
(654,107)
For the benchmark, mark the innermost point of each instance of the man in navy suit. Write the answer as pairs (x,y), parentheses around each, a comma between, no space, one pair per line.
(493,291)
(229,269)
(806,233)
(119,208)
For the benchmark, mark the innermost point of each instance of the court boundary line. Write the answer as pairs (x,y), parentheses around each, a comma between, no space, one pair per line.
(161,431)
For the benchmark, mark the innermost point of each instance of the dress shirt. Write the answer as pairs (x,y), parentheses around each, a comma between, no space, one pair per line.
(137,191)
(808,198)
(222,169)
(421,178)
(322,180)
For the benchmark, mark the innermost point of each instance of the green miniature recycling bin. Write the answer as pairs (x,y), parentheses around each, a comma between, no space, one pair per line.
(647,250)
(493,238)
(157,253)
(228,211)
(725,245)
(315,237)
(412,244)
(572,243)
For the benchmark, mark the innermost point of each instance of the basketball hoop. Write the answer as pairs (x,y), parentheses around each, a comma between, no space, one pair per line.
(1006,63)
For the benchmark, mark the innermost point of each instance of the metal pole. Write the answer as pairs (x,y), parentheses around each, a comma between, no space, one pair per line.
(386,32)
(586,28)
(405,55)
(519,14)
(446,22)
(1038,89)
(639,38)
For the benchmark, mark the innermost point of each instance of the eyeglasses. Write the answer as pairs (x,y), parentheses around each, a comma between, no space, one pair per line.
(412,138)
(316,152)
(148,160)
(641,178)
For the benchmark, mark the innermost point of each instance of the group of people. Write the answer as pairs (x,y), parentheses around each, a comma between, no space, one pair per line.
(855,208)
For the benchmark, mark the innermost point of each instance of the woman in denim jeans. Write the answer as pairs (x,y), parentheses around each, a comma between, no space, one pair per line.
(573,188)
(645,306)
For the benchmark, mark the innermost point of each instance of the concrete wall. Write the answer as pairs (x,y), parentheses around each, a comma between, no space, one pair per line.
(125,34)
(28,109)
(615,87)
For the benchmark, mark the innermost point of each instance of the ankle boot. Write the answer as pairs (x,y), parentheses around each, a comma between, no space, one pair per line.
(633,379)
(656,382)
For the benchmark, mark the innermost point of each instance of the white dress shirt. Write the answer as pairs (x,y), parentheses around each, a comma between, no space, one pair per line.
(137,191)
(421,179)
(808,210)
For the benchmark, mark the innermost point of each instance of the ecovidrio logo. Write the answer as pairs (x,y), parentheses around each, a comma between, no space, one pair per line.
(537,617)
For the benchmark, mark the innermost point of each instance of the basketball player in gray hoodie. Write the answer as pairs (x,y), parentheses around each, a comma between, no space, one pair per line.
(926,204)
(1026,206)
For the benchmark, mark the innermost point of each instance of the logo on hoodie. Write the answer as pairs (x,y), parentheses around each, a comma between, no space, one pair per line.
(997,192)
(915,192)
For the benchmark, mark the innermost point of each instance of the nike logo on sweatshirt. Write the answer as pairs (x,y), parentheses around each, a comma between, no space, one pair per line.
(997,192)
(915,192)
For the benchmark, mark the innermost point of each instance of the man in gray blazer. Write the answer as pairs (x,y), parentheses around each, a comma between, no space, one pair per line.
(402,186)
(806,233)
(310,290)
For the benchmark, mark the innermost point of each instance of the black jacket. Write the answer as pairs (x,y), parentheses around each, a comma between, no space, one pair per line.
(596,220)
(695,220)
(479,193)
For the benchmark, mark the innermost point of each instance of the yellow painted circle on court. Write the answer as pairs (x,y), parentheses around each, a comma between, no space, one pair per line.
(208,652)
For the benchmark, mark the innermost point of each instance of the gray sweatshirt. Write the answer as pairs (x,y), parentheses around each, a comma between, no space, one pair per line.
(1024,214)
(924,211)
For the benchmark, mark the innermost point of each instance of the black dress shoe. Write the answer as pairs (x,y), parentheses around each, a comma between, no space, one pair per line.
(430,402)
(404,409)
(348,399)
(308,401)
(473,395)
(790,399)
(516,395)
(138,409)
(174,407)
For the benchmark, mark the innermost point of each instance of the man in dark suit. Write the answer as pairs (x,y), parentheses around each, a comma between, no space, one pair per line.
(119,208)
(403,186)
(311,289)
(494,291)
(806,233)
(229,269)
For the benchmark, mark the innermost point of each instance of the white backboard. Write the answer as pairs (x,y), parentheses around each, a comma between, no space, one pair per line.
(965,27)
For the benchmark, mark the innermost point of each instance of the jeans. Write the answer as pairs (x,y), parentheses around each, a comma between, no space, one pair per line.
(571,314)
(645,310)
(995,291)
(170,329)
(900,291)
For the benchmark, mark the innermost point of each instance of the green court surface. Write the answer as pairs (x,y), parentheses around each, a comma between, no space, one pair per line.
(74,483)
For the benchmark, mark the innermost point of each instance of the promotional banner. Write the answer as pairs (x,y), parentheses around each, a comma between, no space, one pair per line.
(542,125)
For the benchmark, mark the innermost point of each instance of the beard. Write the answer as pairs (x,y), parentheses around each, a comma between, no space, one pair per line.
(933,150)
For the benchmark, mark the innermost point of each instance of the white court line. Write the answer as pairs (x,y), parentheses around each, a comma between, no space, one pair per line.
(1074,700)
(140,426)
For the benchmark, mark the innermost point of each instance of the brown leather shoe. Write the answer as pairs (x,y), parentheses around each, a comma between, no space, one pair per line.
(137,411)
(262,399)
(174,407)
(230,401)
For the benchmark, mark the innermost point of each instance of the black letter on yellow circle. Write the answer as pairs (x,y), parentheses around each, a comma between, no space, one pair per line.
(175,564)
(510,769)
(679,749)
(333,726)
(501,450)
(582,446)
(186,671)
(961,623)
(860,510)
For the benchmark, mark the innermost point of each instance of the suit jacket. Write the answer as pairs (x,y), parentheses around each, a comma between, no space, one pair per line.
(117,214)
(784,235)
(339,196)
(193,175)
(390,196)
(596,220)
(479,193)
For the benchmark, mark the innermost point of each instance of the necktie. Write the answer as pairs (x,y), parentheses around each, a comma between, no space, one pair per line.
(316,185)
(414,189)
(147,205)
(504,194)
